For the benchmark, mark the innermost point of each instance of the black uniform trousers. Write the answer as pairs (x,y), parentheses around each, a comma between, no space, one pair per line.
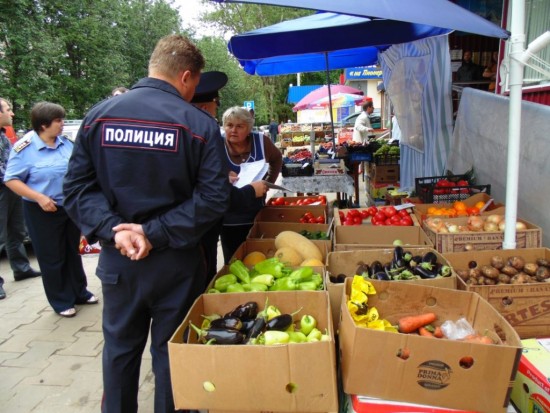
(232,236)
(12,229)
(55,239)
(154,293)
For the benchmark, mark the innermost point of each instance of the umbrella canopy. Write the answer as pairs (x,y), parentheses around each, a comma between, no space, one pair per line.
(323,92)
(436,13)
(323,41)
(338,100)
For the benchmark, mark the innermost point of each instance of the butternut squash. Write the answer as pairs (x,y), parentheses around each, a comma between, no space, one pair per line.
(311,262)
(301,244)
(289,256)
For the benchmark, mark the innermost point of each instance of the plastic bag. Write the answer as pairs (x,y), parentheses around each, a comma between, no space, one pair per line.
(457,330)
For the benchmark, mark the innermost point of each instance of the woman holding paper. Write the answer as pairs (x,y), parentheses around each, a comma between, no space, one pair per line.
(244,146)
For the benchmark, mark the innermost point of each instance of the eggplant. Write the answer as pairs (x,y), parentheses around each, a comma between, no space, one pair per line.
(247,325)
(416,260)
(247,311)
(397,253)
(257,327)
(429,257)
(279,323)
(227,322)
(381,275)
(341,278)
(375,266)
(219,335)
(424,272)
(362,269)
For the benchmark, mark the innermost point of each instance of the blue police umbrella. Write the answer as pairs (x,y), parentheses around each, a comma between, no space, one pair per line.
(436,13)
(322,41)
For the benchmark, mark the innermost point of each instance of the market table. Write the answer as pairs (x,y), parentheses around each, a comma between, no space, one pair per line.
(341,184)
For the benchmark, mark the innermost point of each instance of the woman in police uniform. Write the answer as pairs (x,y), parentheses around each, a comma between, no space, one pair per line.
(36,167)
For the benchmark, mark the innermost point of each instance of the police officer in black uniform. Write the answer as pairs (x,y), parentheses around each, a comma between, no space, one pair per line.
(147,178)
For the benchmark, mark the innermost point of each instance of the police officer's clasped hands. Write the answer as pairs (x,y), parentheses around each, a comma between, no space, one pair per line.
(131,241)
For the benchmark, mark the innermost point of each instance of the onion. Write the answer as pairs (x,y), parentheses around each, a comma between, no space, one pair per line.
(453,229)
(490,226)
(502,225)
(495,218)
(435,224)
(475,223)
(520,226)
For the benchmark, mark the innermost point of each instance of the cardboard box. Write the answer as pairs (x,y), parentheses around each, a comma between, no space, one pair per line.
(360,237)
(531,392)
(525,306)
(378,190)
(294,200)
(367,221)
(270,230)
(346,262)
(267,246)
(384,173)
(255,378)
(421,210)
(285,214)
(483,240)
(431,374)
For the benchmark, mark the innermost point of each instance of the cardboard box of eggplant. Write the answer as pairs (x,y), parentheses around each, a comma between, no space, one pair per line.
(296,377)
(526,306)
(347,262)
(425,370)
(348,238)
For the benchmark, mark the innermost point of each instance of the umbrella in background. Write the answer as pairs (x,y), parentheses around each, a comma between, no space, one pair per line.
(337,100)
(324,92)
(322,41)
(436,13)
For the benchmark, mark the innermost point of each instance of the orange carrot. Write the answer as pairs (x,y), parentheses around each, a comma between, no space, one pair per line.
(412,323)
(438,332)
(477,338)
(424,332)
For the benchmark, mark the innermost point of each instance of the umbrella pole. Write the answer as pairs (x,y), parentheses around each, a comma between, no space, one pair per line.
(330,104)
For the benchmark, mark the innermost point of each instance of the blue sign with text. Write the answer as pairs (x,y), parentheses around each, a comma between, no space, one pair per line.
(366,72)
(249,104)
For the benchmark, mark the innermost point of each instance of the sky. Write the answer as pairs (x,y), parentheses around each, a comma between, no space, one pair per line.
(190,11)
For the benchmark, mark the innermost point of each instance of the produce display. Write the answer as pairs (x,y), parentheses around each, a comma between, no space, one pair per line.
(403,266)
(388,215)
(423,324)
(300,244)
(457,209)
(245,324)
(309,218)
(511,270)
(313,200)
(314,234)
(489,223)
(297,156)
(268,275)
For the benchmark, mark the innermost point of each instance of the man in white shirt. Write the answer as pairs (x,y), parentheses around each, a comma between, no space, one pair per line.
(362,128)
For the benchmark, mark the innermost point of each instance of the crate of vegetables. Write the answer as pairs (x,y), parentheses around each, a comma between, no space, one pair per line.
(385,352)
(283,372)
(391,264)
(515,282)
(305,214)
(447,189)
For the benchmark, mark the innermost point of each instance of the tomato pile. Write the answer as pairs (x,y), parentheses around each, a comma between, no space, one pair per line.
(317,200)
(378,216)
(309,218)
(445,186)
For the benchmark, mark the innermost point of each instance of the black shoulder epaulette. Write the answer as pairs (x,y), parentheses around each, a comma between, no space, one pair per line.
(22,144)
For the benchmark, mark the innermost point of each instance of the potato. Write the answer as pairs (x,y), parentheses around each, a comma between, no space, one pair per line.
(509,270)
(489,271)
(504,278)
(517,262)
(542,273)
(497,261)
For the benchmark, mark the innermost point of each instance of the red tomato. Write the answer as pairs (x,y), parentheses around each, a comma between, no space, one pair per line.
(342,216)
(389,211)
(365,213)
(348,221)
(380,216)
(320,219)
(354,212)
(357,220)
(312,220)
(403,213)
(406,221)
(395,219)
(372,210)
(278,201)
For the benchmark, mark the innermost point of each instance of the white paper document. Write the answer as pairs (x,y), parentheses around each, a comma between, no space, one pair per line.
(251,172)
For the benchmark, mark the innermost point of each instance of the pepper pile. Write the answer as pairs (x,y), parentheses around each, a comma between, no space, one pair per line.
(267,275)
(246,325)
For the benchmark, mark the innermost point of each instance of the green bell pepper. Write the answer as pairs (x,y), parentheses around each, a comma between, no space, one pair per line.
(301,274)
(314,335)
(307,324)
(238,268)
(266,279)
(253,286)
(235,288)
(272,337)
(283,284)
(224,281)
(270,266)
(296,337)
(307,286)
(317,279)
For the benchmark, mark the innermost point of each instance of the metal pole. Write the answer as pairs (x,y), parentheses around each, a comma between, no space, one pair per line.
(517,46)
(330,104)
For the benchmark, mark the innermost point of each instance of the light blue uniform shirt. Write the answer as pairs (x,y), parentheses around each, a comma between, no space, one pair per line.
(39,166)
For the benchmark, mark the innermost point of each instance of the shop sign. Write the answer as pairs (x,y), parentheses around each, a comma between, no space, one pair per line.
(364,72)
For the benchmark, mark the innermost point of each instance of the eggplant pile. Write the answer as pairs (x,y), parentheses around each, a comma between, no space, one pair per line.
(245,324)
(405,266)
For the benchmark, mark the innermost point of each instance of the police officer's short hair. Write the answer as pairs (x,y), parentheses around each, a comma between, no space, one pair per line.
(175,53)
(239,113)
(44,113)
